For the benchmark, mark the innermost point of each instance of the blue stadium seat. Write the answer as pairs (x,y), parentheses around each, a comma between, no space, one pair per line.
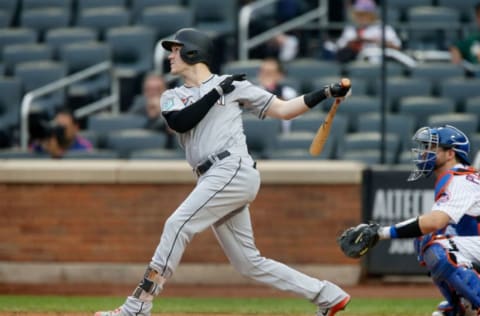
(59,37)
(166,20)
(104,18)
(129,140)
(419,108)
(460,89)
(19,53)
(261,135)
(36,74)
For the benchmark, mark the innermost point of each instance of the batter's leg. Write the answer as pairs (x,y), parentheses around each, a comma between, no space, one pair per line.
(215,196)
(236,238)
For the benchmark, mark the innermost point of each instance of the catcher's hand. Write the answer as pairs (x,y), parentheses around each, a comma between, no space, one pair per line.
(357,241)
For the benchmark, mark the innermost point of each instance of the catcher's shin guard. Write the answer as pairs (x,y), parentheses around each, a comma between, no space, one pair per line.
(150,286)
(463,280)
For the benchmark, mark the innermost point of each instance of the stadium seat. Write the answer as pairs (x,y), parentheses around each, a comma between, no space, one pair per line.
(368,157)
(432,27)
(261,135)
(43,20)
(305,69)
(166,20)
(369,73)
(129,140)
(36,74)
(11,36)
(79,56)
(295,140)
(467,123)
(139,6)
(436,72)
(295,145)
(218,17)
(353,107)
(366,141)
(298,154)
(157,154)
(45,4)
(10,98)
(15,54)
(94,154)
(59,37)
(9,9)
(102,124)
(405,158)
(95,4)
(132,49)
(397,124)
(398,87)
(15,153)
(249,67)
(401,6)
(475,145)
(465,8)
(472,105)
(103,18)
(419,108)
(459,89)
(312,121)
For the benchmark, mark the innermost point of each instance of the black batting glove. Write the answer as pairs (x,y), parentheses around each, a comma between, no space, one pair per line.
(336,90)
(226,86)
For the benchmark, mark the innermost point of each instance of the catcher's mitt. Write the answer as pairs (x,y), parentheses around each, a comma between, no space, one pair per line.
(356,241)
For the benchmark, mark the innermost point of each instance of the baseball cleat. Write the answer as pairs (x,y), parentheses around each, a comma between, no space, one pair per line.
(335,308)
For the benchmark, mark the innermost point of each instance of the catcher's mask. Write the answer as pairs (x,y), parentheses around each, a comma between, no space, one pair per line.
(425,143)
(196,48)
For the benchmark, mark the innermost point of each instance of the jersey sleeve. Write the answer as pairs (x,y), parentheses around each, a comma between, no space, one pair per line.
(456,199)
(171,102)
(253,98)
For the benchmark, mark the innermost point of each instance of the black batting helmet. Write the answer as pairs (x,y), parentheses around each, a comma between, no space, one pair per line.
(196,46)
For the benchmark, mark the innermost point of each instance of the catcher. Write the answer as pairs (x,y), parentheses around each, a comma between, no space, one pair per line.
(447,240)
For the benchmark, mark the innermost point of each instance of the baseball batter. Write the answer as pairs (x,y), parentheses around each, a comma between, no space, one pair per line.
(448,243)
(206,113)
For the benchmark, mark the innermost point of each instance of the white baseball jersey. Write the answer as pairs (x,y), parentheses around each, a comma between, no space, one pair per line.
(221,129)
(458,195)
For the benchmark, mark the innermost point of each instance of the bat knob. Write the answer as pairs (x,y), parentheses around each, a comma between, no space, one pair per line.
(345,83)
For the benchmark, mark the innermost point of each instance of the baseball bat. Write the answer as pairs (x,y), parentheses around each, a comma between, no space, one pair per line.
(323,131)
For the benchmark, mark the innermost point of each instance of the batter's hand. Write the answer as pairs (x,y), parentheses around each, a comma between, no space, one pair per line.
(337,90)
(226,86)
(357,241)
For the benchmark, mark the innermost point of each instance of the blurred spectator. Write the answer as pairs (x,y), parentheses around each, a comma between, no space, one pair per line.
(271,76)
(366,32)
(58,136)
(468,49)
(153,87)
(284,46)
(148,104)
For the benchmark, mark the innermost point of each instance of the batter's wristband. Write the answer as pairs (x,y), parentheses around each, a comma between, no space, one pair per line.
(313,98)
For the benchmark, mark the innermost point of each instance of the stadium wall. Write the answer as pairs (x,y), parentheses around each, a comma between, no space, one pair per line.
(72,221)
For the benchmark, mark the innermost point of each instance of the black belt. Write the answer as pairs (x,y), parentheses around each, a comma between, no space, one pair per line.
(204,166)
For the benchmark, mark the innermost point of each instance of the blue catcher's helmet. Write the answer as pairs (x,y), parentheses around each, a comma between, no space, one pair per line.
(427,139)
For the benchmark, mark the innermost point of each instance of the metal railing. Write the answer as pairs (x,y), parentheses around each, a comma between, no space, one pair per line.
(245,16)
(111,100)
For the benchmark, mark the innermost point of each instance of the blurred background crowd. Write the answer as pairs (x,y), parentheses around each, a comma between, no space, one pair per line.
(83,78)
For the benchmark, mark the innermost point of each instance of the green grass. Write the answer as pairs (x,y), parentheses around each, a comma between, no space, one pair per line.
(280,306)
